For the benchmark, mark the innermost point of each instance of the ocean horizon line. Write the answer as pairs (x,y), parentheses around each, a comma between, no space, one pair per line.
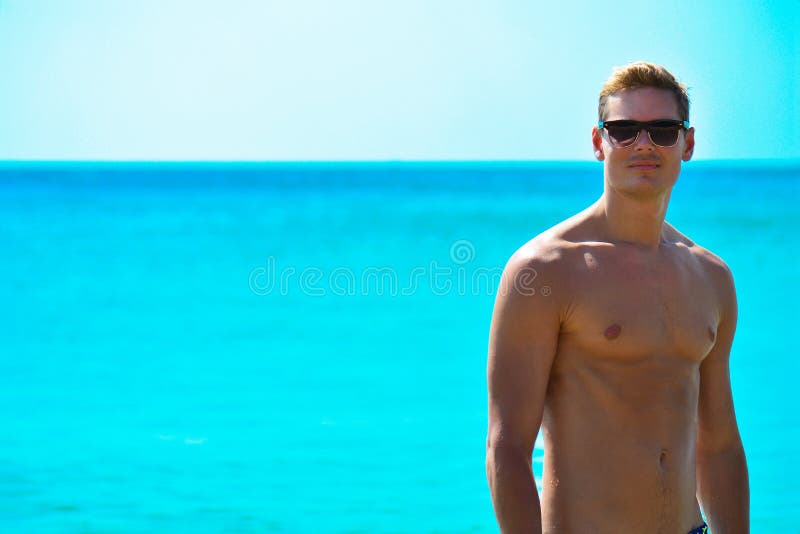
(759,163)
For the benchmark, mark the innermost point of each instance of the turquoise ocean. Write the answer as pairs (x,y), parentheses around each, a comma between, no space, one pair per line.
(301,347)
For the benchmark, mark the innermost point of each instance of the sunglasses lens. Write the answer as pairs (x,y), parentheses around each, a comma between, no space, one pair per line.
(664,135)
(622,133)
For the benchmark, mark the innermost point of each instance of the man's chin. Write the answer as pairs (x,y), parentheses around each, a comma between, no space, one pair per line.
(643,184)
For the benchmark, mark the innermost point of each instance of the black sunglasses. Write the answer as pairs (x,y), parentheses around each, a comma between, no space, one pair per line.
(663,133)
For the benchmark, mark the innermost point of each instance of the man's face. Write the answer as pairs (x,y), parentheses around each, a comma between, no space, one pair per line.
(642,168)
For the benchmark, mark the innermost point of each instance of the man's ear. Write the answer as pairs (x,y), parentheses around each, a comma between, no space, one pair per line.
(688,145)
(597,144)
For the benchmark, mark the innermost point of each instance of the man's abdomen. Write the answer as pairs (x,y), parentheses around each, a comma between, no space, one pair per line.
(620,447)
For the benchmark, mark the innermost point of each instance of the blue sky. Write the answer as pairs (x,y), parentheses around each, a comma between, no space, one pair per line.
(380,80)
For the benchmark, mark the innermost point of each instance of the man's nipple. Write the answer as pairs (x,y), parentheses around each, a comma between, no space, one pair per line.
(612,332)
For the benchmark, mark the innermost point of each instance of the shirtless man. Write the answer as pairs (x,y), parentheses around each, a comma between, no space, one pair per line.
(624,361)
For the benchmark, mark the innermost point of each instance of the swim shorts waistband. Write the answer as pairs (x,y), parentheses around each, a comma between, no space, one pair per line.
(702,529)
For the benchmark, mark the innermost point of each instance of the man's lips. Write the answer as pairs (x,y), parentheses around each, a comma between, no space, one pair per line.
(644,164)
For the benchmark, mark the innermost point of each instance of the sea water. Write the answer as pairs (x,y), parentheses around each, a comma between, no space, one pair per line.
(302,347)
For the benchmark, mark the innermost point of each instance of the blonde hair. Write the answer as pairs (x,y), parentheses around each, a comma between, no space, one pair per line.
(643,74)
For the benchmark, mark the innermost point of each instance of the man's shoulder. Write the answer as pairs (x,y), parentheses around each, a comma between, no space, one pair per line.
(712,263)
(547,250)
(534,269)
(558,243)
(707,259)
(713,266)
(545,261)
(719,273)
(553,249)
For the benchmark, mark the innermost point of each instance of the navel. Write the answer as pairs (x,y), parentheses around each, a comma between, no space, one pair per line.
(590,261)
(613,331)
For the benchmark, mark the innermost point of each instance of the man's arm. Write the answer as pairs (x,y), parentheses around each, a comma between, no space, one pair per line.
(722,480)
(522,346)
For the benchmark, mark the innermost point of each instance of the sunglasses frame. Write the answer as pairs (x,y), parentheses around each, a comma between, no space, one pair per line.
(644,125)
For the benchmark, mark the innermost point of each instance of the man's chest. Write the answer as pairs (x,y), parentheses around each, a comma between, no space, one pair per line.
(624,308)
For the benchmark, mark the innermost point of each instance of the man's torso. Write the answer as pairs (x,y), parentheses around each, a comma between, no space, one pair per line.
(620,412)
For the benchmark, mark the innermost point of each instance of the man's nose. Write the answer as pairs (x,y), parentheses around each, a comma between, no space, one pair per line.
(643,142)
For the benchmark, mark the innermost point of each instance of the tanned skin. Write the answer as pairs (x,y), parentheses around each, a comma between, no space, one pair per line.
(623,361)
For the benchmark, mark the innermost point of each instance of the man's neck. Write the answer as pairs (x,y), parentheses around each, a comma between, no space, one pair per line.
(627,219)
